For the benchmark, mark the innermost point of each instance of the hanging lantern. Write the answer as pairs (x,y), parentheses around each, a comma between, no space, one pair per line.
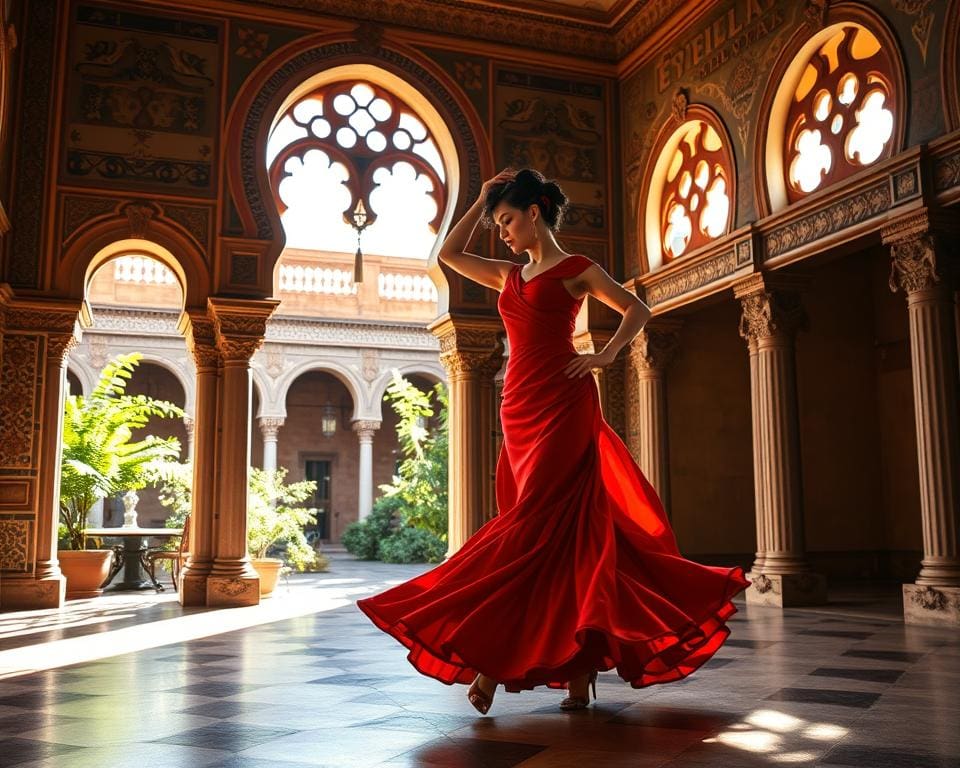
(360,221)
(329,415)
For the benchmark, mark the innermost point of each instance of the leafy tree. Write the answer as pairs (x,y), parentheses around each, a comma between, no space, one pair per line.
(408,524)
(421,480)
(275,513)
(100,456)
(275,518)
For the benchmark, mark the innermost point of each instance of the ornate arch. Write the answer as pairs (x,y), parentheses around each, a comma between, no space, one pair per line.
(177,372)
(135,227)
(354,385)
(434,373)
(769,184)
(263,96)
(655,176)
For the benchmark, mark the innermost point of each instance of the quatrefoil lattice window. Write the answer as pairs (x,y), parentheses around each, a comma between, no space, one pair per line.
(841,118)
(355,145)
(695,207)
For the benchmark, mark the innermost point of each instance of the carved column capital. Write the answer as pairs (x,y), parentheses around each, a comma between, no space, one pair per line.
(469,350)
(365,428)
(768,310)
(655,346)
(913,264)
(58,321)
(59,346)
(918,254)
(189,423)
(270,426)
(240,326)
(201,337)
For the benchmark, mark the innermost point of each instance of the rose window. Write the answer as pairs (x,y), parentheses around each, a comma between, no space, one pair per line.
(841,115)
(352,158)
(696,199)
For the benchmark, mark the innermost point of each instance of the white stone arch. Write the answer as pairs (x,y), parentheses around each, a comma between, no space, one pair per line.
(186,381)
(84,373)
(354,384)
(264,394)
(433,372)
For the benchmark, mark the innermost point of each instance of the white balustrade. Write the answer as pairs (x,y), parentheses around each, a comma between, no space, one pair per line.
(141,269)
(406,287)
(299,279)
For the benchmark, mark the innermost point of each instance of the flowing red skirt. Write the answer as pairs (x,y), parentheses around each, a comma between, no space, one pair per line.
(580,570)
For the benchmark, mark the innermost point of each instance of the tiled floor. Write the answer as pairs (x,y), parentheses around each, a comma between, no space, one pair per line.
(304,679)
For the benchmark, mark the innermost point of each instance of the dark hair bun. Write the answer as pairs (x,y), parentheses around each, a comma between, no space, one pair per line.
(529,187)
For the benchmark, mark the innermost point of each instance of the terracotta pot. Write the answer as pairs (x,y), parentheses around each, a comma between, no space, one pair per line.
(269,570)
(86,570)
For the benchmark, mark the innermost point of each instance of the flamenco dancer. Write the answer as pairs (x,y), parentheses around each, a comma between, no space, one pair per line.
(579,572)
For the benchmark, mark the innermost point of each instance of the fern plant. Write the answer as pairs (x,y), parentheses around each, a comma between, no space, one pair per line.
(100,456)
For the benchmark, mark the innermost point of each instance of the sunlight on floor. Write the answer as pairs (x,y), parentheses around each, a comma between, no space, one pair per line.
(762,731)
(299,598)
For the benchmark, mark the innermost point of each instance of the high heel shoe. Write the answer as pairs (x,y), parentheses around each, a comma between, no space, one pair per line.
(480,700)
(573,703)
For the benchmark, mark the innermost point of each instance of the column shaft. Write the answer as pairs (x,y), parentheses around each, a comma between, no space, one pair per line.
(51,452)
(652,443)
(471,355)
(240,326)
(365,431)
(202,345)
(651,352)
(919,266)
(781,575)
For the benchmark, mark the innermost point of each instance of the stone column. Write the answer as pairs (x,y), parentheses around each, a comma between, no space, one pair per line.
(471,354)
(269,427)
(201,341)
(650,354)
(38,336)
(240,326)
(921,269)
(771,316)
(365,431)
(188,424)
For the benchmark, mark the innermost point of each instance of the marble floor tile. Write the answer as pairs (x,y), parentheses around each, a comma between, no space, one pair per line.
(845,684)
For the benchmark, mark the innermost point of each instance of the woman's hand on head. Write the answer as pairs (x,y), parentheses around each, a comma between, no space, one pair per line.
(581,365)
(506,175)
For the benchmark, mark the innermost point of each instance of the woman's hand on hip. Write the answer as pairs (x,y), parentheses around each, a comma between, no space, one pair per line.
(581,365)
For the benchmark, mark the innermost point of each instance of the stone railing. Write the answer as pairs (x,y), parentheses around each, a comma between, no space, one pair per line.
(306,279)
(143,270)
(406,287)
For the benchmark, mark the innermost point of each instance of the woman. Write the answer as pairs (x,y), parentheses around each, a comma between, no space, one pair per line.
(579,572)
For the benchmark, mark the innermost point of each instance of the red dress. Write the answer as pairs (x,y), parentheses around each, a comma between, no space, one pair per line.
(580,570)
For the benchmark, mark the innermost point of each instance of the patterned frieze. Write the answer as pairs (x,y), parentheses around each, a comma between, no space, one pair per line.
(946,172)
(823,222)
(136,321)
(693,277)
(351,334)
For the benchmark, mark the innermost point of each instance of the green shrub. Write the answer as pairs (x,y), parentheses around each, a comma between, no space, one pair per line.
(412,545)
(362,539)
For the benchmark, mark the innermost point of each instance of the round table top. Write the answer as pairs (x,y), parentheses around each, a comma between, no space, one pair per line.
(130,530)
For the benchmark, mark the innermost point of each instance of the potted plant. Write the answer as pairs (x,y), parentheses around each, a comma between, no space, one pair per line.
(275,526)
(100,459)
